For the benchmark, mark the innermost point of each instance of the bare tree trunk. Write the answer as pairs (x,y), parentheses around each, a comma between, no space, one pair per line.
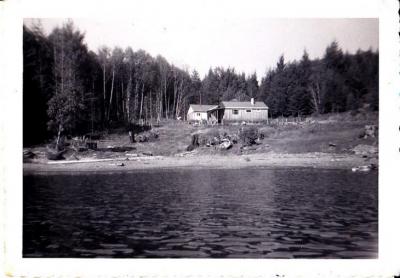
(58,137)
(175,97)
(123,97)
(62,64)
(179,100)
(165,97)
(104,91)
(151,109)
(116,101)
(159,105)
(146,110)
(136,101)
(128,99)
(316,98)
(111,95)
(55,71)
(141,103)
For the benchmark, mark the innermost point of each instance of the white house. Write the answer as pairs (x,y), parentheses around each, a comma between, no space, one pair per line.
(198,112)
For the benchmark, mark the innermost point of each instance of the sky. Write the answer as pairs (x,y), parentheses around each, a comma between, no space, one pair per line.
(247,44)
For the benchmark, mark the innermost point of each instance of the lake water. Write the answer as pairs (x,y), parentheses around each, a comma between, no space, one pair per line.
(246,213)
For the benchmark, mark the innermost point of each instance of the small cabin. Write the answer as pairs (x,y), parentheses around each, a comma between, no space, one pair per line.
(247,111)
(200,113)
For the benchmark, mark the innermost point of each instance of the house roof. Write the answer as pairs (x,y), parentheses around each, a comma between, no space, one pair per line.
(243,104)
(203,108)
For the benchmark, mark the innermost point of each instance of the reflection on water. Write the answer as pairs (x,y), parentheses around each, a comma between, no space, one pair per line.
(258,213)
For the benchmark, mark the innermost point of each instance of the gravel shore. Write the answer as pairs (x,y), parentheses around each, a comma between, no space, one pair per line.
(267,160)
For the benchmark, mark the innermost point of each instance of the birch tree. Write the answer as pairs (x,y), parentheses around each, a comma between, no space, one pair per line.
(67,104)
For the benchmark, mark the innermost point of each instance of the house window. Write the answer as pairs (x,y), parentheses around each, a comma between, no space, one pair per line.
(248,111)
(235,112)
(198,114)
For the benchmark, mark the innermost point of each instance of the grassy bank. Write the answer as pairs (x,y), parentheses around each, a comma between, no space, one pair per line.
(340,135)
(337,133)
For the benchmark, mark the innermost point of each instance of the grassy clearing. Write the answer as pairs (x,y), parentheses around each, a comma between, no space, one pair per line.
(336,133)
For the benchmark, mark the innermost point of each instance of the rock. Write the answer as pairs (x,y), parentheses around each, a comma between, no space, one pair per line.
(365,150)
(195,142)
(190,148)
(54,154)
(27,154)
(142,138)
(91,145)
(364,168)
(225,145)
(371,131)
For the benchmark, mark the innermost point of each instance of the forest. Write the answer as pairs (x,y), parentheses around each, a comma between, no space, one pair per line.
(70,89)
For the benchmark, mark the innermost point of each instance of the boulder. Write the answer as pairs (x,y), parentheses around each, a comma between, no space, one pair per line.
(371,131)
(364,168)
(365,150)
(225,145)
(54,154)
(195,142)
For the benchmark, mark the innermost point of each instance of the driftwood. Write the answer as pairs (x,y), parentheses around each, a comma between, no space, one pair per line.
(120,149)
(84,161)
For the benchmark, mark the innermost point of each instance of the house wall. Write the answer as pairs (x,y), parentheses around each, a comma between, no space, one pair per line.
(254,115)
(196,116)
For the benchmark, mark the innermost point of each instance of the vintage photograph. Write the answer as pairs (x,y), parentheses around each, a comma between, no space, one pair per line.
(213,138)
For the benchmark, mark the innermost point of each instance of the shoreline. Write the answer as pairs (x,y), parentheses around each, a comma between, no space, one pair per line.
(197,161)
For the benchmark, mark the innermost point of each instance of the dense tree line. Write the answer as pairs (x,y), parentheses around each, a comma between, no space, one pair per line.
(336,83)
(70,89)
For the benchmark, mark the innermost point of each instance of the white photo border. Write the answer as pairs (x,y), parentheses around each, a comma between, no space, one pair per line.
(11,18)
